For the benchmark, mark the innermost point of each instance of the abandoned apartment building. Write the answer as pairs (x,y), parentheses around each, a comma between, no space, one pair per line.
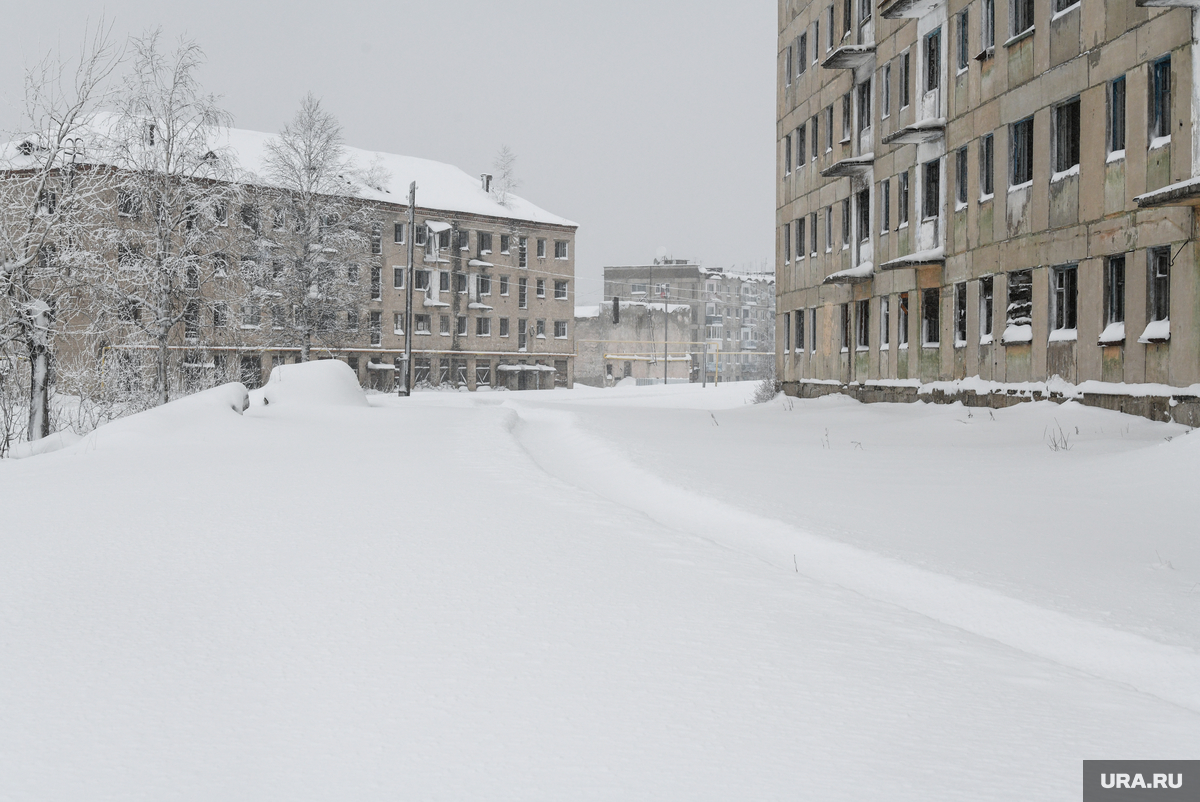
(1001,189)
(725,315)
(493,290)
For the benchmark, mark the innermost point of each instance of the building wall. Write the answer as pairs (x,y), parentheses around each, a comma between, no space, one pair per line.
(634,347)
(1082,217)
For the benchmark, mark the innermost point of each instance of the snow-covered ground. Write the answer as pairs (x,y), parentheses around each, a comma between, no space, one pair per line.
(642,593)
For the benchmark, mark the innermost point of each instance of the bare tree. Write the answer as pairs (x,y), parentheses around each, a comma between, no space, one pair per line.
(317,262)
(506,181)
(47,204)
(174,186)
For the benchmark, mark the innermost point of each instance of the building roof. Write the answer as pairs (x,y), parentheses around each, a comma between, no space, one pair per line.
(440,186)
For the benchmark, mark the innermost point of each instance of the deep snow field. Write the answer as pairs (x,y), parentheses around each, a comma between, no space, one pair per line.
(638,593)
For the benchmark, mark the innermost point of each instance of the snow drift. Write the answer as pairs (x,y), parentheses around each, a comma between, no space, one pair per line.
(324,383)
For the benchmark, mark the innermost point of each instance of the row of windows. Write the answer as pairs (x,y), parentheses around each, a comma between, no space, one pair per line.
(1065,122)
(422,324)
(796,55)
(483,284)
(484,241)
(1063,309)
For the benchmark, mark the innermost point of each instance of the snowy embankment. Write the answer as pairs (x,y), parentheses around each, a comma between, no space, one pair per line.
(558,595)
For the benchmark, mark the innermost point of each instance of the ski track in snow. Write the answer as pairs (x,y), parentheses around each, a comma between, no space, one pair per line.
(564,450)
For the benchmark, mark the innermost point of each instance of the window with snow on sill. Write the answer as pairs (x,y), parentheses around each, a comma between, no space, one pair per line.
(1113,334)
(1064,335)
(1156,331)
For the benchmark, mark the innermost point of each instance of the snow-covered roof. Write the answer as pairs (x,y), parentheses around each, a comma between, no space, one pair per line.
(439,186)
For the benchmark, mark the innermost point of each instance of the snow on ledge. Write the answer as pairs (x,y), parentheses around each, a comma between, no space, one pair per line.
(1059,176)
(1160,142)
(861,272)
(1113,334)
(1064,335)
(1156,331)
(1017,334)
(1115,156)
(1186,188)
(1056,386)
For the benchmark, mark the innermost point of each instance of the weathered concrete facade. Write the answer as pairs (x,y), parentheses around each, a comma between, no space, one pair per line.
(987,188)
(615,347)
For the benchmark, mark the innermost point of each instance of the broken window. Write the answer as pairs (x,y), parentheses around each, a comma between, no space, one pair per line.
(1066,135)
(1160,98)
(986,160)
(863,313)
(960,314)
(1114,290)
(986,309)
(1159,289)
(902,200)
(1018,325)
(1116,115)
(931,196)
(1063,297)
(1021,158)
(931,317)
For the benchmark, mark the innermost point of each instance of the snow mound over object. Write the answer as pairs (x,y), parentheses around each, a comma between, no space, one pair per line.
(325,383)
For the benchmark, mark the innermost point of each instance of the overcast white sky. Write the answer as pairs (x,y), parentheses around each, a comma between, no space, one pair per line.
(648,122)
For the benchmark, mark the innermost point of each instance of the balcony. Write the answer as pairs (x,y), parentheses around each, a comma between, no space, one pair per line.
(934,257)
(853,166)
(1185,193)
(918,133)
(1167,3)
(860,274)
(899,9)
(849,57)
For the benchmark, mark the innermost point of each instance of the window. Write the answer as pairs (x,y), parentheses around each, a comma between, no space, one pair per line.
(483,327)
(444,325)
(902,200)
(1021,153)
(986,309)
(129,204)
(398,323)
(1160,99)
(503,327)
(960,314)
(250,217)
(815,138)
(1022,16)
(905,80)
(986,160)
(960,176)
(522,293)
(351,271)
(483,372)
(931,195)
(421,280)
(863,314)
(930,317)
(220,212)
(278,317)
(191,320)
(541,329)
(933,60)
(220,315)
(787,332)
(220,263)
(813,328)
(376,326)
(829,25)
(802,54)
(444,281)
(251,316)
(816,40)
(812,227)
(1114,290)
(1066,135)
(376,283)
(560,329)
(847,19)
(885,90)
(398,278)
(864,11)
(847,117)
(1018,325)
(799,329)
(483,285)
(885,205)
(485,242)
(523,252)
(787,66)
(799,240)
(1159,290)
(398,233)
(464,240)
(422,324)
(828,229)
(787,154)
(987,26)
(541,287)
(801,145)
(902,321)
(504,285)
(505,243)
(1116,115)
(964,40)
(864,105)
(829,128)
(885,311)
(460,326)
(864,215)
(541,249)
(377,238)
(844,310)
(1063,298)
(460,283)
(422,236)
(846,223)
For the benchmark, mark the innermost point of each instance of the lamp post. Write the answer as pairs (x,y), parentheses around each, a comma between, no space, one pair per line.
(408,289)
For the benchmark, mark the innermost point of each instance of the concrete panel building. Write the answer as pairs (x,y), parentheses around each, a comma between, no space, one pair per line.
(998,189)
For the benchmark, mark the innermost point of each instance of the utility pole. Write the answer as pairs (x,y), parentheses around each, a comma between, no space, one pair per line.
(408,289)
(666,314)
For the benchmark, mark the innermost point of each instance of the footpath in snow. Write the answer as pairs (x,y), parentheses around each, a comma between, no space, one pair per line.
(631,594)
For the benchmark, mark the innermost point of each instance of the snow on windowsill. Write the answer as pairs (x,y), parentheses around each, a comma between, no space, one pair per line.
(1059,176)
(902,226)
(1113,334)
(885,347)
(987,197)
(1115,156)
(1064,335)
(986,339)
(1025,185)
(931,346)
(862,349)
(398,333)
(1025,34)
(1156,331)
(960,343)
(1160,142)
(959,206)
(1060,14)
(1017,335)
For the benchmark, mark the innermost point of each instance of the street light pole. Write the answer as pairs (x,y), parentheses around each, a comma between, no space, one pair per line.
(666,321)
(408,290)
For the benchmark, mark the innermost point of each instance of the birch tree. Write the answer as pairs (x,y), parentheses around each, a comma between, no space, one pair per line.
(316,267)
(174,187)
(48,203)
(506,182)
